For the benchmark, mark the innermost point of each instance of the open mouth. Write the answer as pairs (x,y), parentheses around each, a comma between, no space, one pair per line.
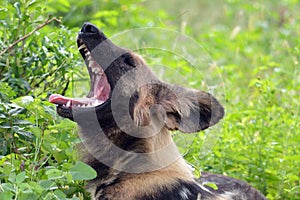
(100,87)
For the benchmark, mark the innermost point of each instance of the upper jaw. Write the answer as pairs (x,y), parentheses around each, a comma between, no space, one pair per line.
(100,90)
(93,66)
(82,48)
(100,87)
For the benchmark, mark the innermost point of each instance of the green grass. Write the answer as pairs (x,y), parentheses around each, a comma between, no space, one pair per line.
(248,57)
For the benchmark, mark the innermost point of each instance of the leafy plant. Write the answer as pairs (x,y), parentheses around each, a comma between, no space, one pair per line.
(254,47)
(37,150)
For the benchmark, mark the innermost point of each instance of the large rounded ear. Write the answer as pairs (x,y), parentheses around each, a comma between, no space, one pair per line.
(197,111)
(186,110)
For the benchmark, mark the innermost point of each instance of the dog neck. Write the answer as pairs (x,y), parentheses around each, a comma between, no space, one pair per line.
(163,172)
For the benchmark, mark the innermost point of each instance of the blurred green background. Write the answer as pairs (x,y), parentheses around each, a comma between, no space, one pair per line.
(247,55)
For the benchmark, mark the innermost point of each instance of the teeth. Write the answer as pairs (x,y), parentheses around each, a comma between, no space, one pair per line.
(89,58)
(91,63)
(68,104)
(95,70)
(81,47)
(87,54)
(89,105)
(98,71)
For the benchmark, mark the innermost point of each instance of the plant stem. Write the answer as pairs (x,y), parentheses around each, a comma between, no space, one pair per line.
(46,22)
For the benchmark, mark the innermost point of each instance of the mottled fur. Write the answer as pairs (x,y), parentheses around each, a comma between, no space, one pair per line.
(150,105)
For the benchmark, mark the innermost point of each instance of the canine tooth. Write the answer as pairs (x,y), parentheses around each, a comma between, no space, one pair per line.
(81,47)
(68,104)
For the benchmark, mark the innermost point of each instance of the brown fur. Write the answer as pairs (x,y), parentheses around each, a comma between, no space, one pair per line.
(155,108)
(134,185)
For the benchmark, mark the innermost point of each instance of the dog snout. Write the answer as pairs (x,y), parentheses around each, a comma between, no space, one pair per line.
(89,28)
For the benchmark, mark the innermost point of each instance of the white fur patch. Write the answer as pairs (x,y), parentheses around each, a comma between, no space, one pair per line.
(184,193)
(233,195)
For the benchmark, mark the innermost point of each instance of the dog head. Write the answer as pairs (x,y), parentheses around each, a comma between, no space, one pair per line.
(121,78)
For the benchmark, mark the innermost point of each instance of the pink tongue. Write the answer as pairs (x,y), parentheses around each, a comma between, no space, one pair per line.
(59,99)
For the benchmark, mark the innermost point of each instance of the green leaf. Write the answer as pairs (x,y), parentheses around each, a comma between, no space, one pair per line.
(54,174)
(212,185)
(8,187)
(47,184)
(81,171)
(21,132)
(6,195)
(17,6)
(28,195)
(12,178)
(22,122)
(59,194)
(16,111)
(20,177)
(36,131)
(24,187)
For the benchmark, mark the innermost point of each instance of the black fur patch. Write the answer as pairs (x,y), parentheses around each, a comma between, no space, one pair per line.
(179,191)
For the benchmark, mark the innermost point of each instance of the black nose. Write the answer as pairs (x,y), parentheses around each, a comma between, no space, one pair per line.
(89,28)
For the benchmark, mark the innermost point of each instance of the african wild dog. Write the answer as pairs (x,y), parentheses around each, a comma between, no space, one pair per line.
(125,122)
